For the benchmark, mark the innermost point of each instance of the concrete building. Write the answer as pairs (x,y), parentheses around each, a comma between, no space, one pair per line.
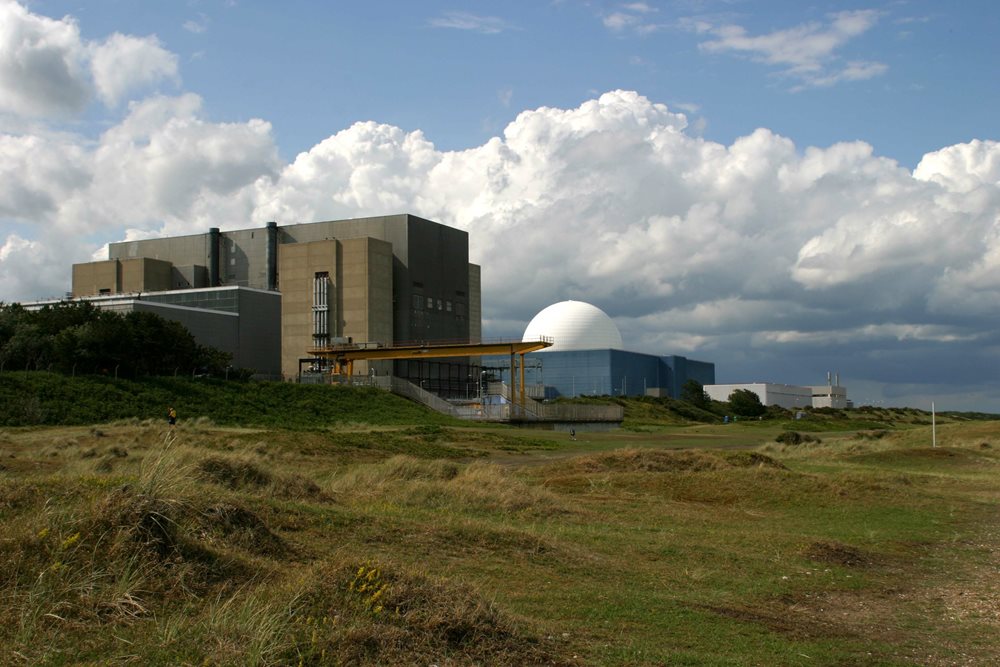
(587,358)
(787,396)
(386,280)
(242,321)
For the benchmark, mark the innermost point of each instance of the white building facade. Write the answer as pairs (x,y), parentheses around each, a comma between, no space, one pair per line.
(790,397)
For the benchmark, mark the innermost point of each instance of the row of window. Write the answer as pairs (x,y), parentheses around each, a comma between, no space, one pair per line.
(421,302)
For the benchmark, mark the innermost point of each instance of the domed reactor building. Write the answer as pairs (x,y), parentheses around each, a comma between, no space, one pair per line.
(587,358)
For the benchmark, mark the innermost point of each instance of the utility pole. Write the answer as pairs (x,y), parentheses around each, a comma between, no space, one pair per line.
(933,426)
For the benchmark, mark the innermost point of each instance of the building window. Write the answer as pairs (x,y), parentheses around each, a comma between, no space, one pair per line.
(440,305)
(321,309)
(447,306)
(418,302)
(430,303)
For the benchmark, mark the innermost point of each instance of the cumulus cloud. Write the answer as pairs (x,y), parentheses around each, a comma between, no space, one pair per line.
(162,170)
(42,63)
(20,262)
(123,63)
(47,69)
(806,52)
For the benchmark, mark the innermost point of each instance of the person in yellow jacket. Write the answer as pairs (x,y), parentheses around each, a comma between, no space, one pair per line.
(171,416)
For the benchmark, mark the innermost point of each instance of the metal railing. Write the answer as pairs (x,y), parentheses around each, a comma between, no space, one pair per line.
(560,412)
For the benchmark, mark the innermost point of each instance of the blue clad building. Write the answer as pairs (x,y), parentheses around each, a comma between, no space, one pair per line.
(587,359)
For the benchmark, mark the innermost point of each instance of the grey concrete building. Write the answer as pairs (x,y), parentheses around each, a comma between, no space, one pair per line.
(387,279)
(241,321)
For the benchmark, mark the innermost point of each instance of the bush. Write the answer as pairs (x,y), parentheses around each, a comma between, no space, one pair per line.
(795,438)
(746,403)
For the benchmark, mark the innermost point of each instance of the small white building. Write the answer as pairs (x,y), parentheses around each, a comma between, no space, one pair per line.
(787,396)
(827,396)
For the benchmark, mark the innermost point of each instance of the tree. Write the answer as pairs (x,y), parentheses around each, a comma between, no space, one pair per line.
(79,338)
(693,392)
(746,403)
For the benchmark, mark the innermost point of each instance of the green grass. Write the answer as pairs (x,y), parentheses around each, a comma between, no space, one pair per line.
(422,542)
(39,398)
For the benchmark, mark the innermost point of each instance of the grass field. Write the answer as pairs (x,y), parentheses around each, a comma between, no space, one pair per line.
(433,543)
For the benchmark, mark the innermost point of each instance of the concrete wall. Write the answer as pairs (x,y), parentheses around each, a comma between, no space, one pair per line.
(188,277)
(365,295)
(211,328)
(94,277)
(122,276)
(437,269)
(242,258)
(260,332)
(826,396)
(178,250)
(298,264)
(475,304)
(143,274)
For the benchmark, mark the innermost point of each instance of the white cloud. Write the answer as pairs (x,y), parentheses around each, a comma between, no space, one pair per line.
(807,52)
(46,69)
(42,64)
(197,26)
(162,170)
(489,25)
(619,21)
(123,63)
(631,16)
(20,260)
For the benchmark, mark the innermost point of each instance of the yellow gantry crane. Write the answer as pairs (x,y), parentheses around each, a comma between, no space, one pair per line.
(344,356)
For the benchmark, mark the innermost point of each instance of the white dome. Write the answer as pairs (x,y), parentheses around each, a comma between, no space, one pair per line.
(574,325)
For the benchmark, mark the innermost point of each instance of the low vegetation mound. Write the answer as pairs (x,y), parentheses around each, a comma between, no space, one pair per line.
(921,457)
(649,460)
(373,614)
(233,473)
(837,553)
(746,459)
(478,486)
(795,438)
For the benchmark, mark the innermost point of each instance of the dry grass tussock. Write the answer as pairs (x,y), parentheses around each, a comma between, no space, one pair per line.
(116,552)
(373,614)
(246,474)
(443,484)
(668,460)
(974,438)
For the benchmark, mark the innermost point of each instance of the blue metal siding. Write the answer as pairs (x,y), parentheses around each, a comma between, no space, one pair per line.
(607,372)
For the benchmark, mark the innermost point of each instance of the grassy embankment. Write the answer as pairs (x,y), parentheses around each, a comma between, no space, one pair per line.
(387,540)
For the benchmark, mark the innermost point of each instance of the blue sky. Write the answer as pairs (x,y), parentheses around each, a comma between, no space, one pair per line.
(783,188)
(313,67)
